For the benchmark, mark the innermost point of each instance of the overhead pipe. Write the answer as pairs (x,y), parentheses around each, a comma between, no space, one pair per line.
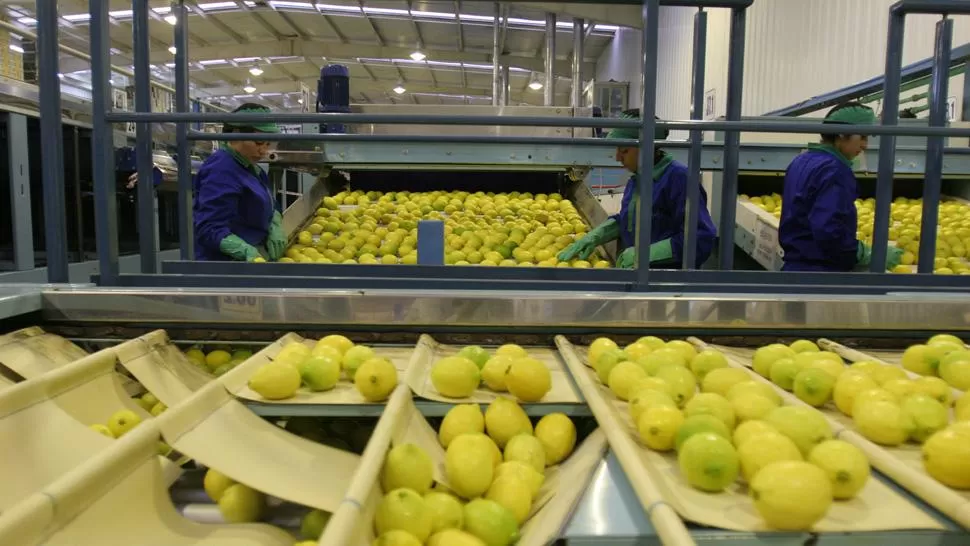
(576,99)
(496,54)
(549,87)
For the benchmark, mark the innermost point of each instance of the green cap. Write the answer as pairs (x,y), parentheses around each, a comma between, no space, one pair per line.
(853,115)
(632,133)
(264,127)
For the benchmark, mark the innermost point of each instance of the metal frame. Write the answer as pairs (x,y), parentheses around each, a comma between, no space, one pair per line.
(21,217)
(642,278)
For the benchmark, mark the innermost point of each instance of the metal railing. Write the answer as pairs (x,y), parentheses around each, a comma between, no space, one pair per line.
(733,125)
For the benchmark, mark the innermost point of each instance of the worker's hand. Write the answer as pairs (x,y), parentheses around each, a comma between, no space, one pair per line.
(893,257)
(132,181)
(235,247)
(276,238)
(661,251)
(627,259)
(863,254)
(582,248)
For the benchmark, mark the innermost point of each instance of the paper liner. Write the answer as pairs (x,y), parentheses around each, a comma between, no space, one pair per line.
(120,497)
(893,358)
(220,432)
(32,351)
(429,352)
(343,393)
(353,523)
(161,367)
(901,464)
(876,508)
(44,422)
(646,484)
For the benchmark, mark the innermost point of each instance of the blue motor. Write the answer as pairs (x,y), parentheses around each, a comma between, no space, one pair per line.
(333,95)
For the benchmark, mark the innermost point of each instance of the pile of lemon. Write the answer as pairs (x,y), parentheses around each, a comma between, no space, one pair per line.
(505,229)
(725,425)
(510,369)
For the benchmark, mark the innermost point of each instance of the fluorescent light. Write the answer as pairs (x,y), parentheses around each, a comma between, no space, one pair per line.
(60,75)
(256,71)
(294,5)
(535,85)
(17,48)
(172,50)
(418,56)
(217,5)
(123,13)
(300,100)
(208,62)
(77,17)
(245,59)
(171,19)
(249,88)
(27,21)
(399,89)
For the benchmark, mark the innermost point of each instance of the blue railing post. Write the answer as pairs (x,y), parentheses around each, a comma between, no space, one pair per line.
(102,145)
(184,161)
(696,141)
(732,139)
(143,139)
(648,109)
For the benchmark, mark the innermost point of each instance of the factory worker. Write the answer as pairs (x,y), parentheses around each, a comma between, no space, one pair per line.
(234,210)
(818,215)
(666,217)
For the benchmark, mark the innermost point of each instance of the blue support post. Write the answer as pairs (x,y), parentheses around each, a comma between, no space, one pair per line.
(143,139)
(19,173)
(966,93)
(52,142)
(648,109)
(932,186)
(696,142)
(732,140)
(102,145)
(887,143)
(183,161)
(431,242)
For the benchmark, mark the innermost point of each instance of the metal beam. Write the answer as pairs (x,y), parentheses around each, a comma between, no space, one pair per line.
(549,91)
(19,173)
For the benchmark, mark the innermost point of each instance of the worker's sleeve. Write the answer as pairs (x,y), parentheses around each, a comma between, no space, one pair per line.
(832,217)
(628,192)
(216,204)
(674,199)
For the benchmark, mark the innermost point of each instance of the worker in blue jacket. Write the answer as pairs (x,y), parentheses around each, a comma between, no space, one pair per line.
(235,214)
(666,217)
(818,215)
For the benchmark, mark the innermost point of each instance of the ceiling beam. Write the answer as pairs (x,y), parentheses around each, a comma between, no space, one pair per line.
(366,85)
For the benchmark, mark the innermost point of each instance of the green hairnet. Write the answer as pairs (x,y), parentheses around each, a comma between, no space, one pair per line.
(633,133)
(853,115)
(262,127)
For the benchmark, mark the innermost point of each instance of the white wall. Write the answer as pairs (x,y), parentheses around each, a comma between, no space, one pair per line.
(795,49)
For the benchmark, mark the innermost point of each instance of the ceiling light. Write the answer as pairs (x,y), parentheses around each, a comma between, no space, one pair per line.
(256,71)
(172,50)
(418,56)
(299,100)
(171,19)
(535,85)
(399,89)
(249,88)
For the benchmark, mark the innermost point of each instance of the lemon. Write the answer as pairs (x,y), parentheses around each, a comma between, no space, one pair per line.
(813,386)
(275,381)
(608,360)
(924,416)
(504,419)
(375,379)
(900,388)
(961,411)
(217,358)
(653,342)
(241,504)
(598,347)
(706,361)
(880,421)
(338,342)
(469,465)
(945,338)
(699,424)
(791,495)
(956,371)
(872,395)
(680,381)
(751,407)
(751,429)
(935,387)
(649,383)
(528,379)
(522,472)
(827,365)
(461,419)
(313,524)
(622,378)
(493,373)
(394,537)
(784,370)
(326,350)
(354,357)
(919,360)
(708,461)
(476,354)
(883,374)
(684,348)
(637,350)
(845,464)
(512,350)
(557,433)
(404,510)
(512,493)
(527,449)
(645,399)
(658,427)
(408,466)
(721,380)
(804,426)
(848,386)
(455,377)
(765,449)
(215,484)
(866,366)
(196,356)
(491,522)
(747,388)
(804,346)
(946,457)
(766,356)
(445,509)
(708,403)
(663,357)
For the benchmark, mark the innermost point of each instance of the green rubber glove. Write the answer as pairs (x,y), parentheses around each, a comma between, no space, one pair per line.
(893,257)
(238,249)
(863,254)
(583,248)
(627,259)
(661,251)
(276,238)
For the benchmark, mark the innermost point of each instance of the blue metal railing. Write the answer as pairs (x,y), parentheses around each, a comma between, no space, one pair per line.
(106,221)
